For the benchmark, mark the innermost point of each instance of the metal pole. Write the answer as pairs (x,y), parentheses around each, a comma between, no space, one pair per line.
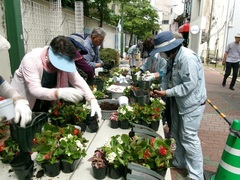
(122,30)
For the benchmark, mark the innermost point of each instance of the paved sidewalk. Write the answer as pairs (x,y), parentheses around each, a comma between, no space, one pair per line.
(214,130)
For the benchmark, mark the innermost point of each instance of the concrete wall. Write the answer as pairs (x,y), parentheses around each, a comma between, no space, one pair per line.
(5,70)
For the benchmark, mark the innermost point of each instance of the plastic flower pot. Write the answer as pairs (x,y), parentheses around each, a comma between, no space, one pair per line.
(115,173)
(100,83)
(99,173)
(92,123)
(140,96)
(67,167)
(24,136)
(154,125)
(114,124)
(106,113)
(144,84)
(51,170)
(124,124)
(22,165)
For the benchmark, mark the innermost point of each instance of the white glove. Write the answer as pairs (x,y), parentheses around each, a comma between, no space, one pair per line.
(138,73)
(70,94)
(95,108)
(22,112)
(149,77)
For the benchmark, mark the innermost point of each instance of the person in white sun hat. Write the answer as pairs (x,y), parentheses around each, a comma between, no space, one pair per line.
(184,82)
(23,114)
(49,73)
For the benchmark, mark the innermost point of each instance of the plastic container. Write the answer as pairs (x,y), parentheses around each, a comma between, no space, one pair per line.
(7,109)
(106,113)
(24,136)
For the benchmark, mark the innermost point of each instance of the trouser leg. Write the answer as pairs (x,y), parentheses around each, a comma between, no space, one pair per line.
(191,142)
(179,160)
(134,60)
(235,67)
(227,72)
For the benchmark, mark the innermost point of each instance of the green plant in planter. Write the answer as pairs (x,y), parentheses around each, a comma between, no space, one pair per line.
(153,153)
(55,143)
(126,113)
(46,144)
(107,55)
(96,93)
(8,150)
(72,145)
(117,150)
(69,113)
(151,112)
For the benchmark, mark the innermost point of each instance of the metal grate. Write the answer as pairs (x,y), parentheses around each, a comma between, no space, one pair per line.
(43,21)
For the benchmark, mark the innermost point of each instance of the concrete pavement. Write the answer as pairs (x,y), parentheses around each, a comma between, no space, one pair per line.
(214,129)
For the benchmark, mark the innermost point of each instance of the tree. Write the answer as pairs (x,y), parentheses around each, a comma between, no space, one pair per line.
(140,19)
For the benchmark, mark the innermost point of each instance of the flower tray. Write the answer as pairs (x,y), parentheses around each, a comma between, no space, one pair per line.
(24,136)
(106,113)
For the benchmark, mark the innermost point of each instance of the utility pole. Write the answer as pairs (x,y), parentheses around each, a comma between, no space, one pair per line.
(122,29)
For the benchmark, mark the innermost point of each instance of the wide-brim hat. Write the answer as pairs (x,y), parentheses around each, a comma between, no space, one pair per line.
(61,62)
(78,41)
(165,41)
(237,35)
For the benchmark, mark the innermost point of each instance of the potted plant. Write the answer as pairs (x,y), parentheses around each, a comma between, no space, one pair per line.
(73,148)
(117,152)
(152,153)
(114,123)
(63,113)
(125,115)
(8,150)
(46,144)
(99,164)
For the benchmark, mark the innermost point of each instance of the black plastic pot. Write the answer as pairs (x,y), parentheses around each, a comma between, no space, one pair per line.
(115,173)
(99,173)
(114,124)
(22,166)
(92,123)
(99,83)
(51,170)
(24,136)
(140,96)
(124,124)
(154,125)
(67,167)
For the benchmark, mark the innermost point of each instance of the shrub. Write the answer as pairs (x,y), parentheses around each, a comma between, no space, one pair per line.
(107,55)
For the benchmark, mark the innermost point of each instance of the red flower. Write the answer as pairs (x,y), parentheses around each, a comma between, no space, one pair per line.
(152,141)
(2,148)
(162,150)
(1,98)
(46,157)
(59,103)
(76,131)
(146,154)
(34,141)
(56,112)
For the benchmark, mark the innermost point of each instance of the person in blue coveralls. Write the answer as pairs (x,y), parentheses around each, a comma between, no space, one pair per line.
(185,83)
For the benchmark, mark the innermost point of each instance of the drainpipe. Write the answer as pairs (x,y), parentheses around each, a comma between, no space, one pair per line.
(209,31)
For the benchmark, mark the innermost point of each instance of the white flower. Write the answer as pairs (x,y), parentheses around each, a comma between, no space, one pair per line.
(107,143)
(94,90)
(162,102)
(120,152)
(122,111)
(130,108)
(69,154)
(119,140)
(110,157)
(110,80)
(70,136)
(151,99)
(63,139)
(87,106)
(78,143)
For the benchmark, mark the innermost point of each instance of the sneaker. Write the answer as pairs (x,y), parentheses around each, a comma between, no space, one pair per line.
(223,84)
(232,88)
(173,165)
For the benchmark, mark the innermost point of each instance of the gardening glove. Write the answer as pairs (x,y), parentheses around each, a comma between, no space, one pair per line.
(95,108)
(138,73)
(70,94)
(4,44)
(23,113)
(149,77)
